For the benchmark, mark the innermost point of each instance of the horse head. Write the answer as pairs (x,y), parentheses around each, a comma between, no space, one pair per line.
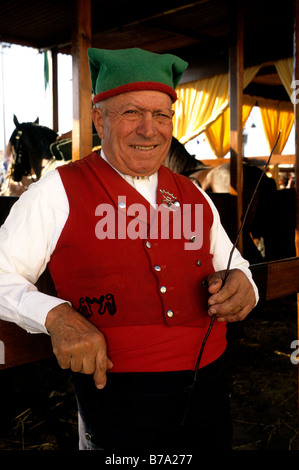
(30,144)
(179,160)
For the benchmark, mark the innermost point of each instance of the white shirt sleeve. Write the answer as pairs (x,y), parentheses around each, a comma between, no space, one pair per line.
(27,239)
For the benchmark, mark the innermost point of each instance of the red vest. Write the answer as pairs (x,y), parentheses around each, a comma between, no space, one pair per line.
(156,279)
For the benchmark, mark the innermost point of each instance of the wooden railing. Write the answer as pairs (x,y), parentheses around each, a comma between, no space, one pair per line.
(277,278)
(21,347)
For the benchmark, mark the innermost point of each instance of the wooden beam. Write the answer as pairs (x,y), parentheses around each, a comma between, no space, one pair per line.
(82,124)
(277,278)
(55,123)
(258,160)
(236,69)
(20,347)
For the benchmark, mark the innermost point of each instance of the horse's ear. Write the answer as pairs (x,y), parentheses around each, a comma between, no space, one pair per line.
(15,120)
(36,120)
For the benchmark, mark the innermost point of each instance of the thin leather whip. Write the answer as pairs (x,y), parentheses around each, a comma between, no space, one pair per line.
(223,282)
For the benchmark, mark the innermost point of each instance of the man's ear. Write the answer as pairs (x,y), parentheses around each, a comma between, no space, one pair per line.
(97,117)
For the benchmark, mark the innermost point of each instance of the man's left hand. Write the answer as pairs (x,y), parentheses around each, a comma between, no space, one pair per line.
(232,301)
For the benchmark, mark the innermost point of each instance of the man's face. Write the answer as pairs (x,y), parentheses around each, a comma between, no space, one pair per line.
(136,130)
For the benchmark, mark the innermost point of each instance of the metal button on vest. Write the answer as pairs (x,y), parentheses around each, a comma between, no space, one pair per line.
(122,205)
(163,289)
(148,244)
(169,313)
(157,268)
(198,262)
(87,436)
(176,204)
(193,238)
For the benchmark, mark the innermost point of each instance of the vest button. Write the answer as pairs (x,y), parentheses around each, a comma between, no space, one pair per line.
(198,262)
(193,238)
(169,313)
(87,436)
(122,205)
(163,289)
(176,204)
(148,244)
(157,268)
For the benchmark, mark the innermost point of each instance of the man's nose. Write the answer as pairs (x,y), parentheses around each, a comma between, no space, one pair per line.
(147,126)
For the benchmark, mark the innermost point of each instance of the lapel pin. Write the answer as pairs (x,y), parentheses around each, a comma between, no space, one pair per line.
(169,200)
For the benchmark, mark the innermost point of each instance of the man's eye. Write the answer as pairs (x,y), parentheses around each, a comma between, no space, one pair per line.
(163,116)
(131,113)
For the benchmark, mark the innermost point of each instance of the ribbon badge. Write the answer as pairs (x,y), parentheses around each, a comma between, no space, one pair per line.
(169,200)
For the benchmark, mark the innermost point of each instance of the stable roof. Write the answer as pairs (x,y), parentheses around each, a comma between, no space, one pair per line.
(199,31)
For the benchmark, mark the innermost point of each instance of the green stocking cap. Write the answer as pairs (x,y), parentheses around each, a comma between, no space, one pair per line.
(118,71)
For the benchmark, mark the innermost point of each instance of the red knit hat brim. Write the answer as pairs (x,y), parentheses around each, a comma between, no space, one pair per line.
(137,86)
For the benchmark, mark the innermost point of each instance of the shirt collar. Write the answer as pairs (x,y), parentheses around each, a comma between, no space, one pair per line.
(129,178)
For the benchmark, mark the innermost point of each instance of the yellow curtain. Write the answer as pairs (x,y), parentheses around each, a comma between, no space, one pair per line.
(284,69)
(218,134)
(201,102)
(277,116)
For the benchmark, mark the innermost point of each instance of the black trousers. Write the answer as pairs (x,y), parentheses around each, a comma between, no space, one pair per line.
(145,411)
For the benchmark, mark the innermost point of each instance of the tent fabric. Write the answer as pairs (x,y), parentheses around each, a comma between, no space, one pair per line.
(201,102)
(276,116)
(284,69)
(218,134)
(203,106)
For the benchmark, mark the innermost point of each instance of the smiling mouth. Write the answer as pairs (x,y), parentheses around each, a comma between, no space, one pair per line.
(141,147)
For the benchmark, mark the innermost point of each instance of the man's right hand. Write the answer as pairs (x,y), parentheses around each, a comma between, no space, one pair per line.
(77,344)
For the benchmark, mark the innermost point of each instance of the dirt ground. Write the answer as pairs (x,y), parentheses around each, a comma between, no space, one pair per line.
(38,407)
(264,380)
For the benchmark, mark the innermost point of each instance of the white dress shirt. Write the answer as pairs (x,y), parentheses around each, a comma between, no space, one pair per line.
(29,236)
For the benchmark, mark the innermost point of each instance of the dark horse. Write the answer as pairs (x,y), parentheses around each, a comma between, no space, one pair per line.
(181,161)
(29,145)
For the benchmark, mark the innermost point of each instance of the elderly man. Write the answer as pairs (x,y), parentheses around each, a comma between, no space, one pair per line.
(133,302)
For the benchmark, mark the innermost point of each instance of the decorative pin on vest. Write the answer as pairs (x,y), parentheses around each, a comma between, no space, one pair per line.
(169,200)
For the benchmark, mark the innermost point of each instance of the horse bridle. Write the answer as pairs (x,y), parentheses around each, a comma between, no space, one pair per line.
(18,148)
(18,155)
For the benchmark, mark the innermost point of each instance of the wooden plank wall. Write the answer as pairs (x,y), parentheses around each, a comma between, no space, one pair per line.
(20,347)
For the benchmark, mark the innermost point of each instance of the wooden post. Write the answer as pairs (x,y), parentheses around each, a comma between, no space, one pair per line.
(236,68)
(55,122)
(296,111)
(82,124)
